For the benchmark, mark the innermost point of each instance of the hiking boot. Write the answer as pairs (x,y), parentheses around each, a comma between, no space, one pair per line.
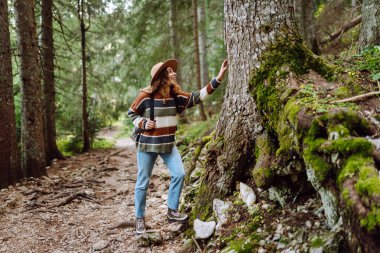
(140,226)
(174,216)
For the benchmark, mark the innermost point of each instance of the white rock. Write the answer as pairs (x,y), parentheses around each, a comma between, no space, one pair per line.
(261,250)
(308,224)
(204,230)
(220,209)
(280,229)
(247,194)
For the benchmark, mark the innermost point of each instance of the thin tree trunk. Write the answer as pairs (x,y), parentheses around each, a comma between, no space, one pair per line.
(32,137)
(85,124)
(196,53)
(51,149)
(370,30)
(249,29)
(202,42)
(10,167)
(304,16)
(173,24)
(174,37)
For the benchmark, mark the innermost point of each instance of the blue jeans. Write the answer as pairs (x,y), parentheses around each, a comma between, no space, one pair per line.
(145,163)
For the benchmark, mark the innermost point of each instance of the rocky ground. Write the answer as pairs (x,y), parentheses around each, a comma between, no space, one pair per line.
(85,204)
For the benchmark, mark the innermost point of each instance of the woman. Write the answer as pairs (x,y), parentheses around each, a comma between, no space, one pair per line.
(158,136)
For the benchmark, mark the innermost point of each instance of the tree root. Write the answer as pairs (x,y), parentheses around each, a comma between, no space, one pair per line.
(76,195)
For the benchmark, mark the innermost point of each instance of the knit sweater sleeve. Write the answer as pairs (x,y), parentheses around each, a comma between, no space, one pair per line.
(188,100)
(137,109)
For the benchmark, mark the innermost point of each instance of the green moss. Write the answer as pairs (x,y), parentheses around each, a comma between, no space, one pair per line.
(208,138)
(351,120)
(372,220)
(339,129)
(369,182)
(268,85)
(353,165)
(248,237)
(318,164)
(342,92)
(262,176)
(197,151)
(317,242)
(241,246)
(347,147)
(263,145)
(346,197)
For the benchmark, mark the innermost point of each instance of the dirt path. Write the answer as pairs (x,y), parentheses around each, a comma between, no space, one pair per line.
(84,205)
(111,134)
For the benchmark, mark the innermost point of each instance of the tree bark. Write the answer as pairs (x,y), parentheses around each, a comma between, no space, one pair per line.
(304,16)
(196,54)
(51,149)
(249,28)
(173,24)
(173,36)
(10,167)
(370,30)
(202,42)
(85,124)
(32,137)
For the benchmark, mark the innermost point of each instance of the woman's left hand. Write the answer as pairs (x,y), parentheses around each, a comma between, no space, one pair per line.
(223,69)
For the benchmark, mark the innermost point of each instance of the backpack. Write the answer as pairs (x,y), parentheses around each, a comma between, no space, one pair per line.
(135,136)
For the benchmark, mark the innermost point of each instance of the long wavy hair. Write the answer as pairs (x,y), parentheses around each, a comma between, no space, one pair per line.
(162,84)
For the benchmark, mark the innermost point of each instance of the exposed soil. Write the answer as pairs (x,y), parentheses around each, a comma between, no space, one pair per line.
(85,204)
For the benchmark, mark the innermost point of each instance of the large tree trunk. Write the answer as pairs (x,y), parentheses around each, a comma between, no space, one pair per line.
(249,28)
(370,30)
(196,53)
(51,149)
(32,138)
(202,42)
(10,169)
(85,124)
(304,16)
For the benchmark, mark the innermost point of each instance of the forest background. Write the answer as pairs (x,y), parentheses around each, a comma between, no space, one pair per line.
(71,68)
(123,39)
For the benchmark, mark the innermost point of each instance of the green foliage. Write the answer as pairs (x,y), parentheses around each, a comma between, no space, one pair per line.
(244,237)
(317,242)
(370,61)
(71,145)
(372,220)
(189,133)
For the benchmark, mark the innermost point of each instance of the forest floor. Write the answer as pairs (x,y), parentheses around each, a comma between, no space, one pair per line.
(85,204)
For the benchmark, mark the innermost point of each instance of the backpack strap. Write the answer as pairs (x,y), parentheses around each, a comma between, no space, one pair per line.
(151,107)
(179,111)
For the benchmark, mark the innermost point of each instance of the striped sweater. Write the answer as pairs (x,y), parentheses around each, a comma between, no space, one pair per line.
(161,139)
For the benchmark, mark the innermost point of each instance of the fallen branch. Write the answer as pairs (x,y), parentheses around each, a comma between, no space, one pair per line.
(196,243)
(344,29)
(356,98)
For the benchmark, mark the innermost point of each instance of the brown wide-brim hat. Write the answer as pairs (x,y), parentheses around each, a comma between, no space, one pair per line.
(156,70)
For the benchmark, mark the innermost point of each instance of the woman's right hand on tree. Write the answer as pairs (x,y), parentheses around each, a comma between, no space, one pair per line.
(223,69)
